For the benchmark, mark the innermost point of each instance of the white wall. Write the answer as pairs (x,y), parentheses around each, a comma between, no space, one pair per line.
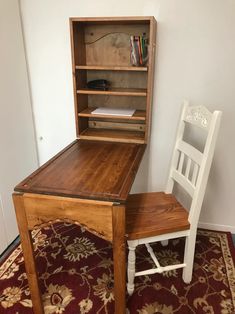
(18,156)
(195,60)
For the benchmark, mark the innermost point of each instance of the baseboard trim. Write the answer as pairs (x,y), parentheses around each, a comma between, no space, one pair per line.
(9,248)
(206,225)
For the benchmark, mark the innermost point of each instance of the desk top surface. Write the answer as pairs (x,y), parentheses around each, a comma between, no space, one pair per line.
(88,169)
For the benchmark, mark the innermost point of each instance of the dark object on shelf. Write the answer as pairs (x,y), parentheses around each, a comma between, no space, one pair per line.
(99,84)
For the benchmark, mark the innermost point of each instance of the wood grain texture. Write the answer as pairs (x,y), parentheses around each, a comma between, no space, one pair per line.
(125,126)
(150,82)
(112,19)
(128,102)
(138,115)
(120,79)
(78,56)
(151,214)
(109,44)
(88,169)
(94,216)
(112,68)
(118,136)
(139,92)
(27,248)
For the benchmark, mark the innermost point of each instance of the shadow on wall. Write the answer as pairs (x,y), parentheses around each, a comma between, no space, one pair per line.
(141,181)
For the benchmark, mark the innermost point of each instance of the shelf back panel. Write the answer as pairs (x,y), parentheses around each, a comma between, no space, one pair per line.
(110,44)
(127,102)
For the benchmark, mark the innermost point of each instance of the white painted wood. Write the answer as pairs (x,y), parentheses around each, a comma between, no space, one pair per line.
(199,116)
(195,174)
(154,258)
(164,243)
(205,167)
(184,152)
(181,162)
(189,253)
(190,151)
(131,266)
(159,270)
(188,168)
(175,156)
(163,237)
(183,181)
(216,227)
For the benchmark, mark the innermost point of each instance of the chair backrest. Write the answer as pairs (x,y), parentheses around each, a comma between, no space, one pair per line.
(189,166)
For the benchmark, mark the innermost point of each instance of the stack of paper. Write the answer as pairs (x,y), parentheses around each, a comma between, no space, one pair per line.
(114,111)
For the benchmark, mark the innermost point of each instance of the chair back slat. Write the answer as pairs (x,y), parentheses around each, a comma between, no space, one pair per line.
(181,162)
(190,167)
(182,180)
(195,173)
(187,166)
(189,150)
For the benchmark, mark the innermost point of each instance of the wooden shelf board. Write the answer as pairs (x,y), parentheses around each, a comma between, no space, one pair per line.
(115,91)
(114,20)
(113,135)
(138,115)
(111,68)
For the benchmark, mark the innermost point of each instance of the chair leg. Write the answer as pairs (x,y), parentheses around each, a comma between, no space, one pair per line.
(189,256)
(164,242)
(131,266)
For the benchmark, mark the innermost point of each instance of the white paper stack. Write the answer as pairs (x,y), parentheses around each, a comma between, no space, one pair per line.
(114,111)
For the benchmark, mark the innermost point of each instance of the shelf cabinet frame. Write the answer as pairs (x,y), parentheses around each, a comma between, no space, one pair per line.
(82,65)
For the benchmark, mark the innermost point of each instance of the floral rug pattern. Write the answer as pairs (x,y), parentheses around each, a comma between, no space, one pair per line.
(76,276)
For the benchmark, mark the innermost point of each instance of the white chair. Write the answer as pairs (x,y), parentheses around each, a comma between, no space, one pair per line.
(152,217)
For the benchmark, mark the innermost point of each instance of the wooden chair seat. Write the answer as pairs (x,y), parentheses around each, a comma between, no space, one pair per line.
(151,214)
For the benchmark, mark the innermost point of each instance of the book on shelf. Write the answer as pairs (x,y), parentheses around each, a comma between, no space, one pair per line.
(114,111)
(138,50)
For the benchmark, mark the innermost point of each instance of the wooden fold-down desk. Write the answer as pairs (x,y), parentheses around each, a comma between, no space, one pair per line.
(88,182)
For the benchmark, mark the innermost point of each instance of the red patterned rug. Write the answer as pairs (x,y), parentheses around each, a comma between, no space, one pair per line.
(76,276)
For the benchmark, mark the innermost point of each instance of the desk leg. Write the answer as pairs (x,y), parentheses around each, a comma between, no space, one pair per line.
(27,248)
(119,257)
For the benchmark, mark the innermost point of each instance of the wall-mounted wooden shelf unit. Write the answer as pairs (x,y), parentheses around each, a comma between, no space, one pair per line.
(101,50)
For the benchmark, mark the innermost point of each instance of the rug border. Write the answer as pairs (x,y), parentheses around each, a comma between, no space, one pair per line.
(12,247)
(230,240)
(15,246)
